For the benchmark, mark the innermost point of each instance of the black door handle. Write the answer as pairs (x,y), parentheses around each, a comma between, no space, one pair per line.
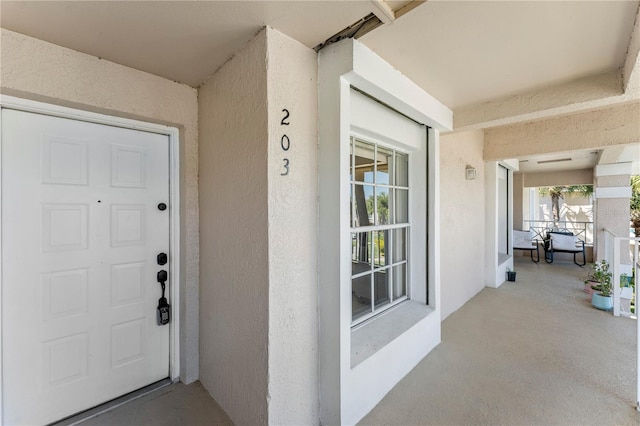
(162,276)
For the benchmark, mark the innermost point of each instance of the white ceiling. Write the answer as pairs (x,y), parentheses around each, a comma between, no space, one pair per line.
(583,159)
(466,52)
(462,52)
(575,160)
(178,40)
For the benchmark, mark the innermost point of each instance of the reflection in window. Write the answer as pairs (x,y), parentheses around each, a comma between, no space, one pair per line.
(379,197)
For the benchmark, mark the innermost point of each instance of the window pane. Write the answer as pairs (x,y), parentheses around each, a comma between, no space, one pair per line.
(352,207)
(361,252)
(402,170)
(380,239)
(360,296)
(364,158)
(399,281)
(399,245)
(381,288)
(382,200)
(379,196)
(351,164)
(364,205)
(402,206)
(384,160)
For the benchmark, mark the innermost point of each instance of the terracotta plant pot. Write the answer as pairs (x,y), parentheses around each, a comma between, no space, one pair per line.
(587,286)
(592,290)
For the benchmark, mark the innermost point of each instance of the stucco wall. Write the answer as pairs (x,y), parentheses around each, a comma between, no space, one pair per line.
(234,292)
(611,214)
(292,70)
(572,208)
(567,177)
(463,225)
(613,126)
(41,71)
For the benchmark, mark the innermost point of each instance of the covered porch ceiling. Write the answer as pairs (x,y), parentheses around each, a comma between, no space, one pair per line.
(493,63)
(583,159)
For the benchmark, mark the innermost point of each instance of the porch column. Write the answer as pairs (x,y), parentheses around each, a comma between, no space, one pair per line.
(612,195)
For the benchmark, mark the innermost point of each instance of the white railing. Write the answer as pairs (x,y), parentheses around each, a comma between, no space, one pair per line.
(622,253)
(583,230)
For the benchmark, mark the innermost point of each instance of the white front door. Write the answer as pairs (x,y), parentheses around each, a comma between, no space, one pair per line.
(82,227)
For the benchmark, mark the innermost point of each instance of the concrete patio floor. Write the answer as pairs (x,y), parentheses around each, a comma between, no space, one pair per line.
(173,405)
(533,352)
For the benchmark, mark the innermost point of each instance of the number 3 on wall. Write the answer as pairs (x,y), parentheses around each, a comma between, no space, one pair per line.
(286,167)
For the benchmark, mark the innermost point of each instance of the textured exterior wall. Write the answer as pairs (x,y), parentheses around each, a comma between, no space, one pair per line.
(569,177)
(572,207)
(234,292)
(599,91)
(292,71)
(463,225)
(616,180)
(595,129)
(611,214)
(41,71)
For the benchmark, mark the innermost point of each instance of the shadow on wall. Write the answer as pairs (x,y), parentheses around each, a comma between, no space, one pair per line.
(572,209)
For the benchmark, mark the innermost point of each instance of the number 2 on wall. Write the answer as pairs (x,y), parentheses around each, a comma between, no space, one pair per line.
(284,121)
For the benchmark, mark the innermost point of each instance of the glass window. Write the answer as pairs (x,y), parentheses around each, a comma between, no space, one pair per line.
(379,197)
(402,170)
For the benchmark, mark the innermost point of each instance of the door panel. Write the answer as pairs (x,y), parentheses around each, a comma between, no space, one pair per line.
(80,232)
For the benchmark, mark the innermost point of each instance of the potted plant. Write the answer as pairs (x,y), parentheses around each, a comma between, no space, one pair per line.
(603,299)
(591,282)
(511,275)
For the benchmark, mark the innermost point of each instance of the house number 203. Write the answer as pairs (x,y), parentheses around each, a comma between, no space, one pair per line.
(285,142)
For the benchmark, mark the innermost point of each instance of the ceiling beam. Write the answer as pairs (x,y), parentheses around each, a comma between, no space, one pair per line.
(598,129)
(559,177)
(408,7)
(587,93)
(631,68)
(610,155)
(383,11)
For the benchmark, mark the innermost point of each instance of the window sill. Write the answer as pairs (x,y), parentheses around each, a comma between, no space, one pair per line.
(373,335)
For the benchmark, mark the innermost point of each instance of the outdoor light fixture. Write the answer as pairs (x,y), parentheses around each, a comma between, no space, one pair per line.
(471,172)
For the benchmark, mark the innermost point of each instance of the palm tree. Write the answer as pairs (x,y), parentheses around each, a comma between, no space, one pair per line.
(558,192)
(634,203)
(635,192)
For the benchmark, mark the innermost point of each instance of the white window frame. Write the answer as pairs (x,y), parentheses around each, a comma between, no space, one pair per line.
(347,390)
(374,311)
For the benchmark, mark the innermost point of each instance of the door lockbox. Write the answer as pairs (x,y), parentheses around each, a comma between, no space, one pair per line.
(164,309)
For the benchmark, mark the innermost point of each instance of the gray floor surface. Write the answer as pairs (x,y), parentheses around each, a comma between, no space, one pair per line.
(174,405)
(533,352)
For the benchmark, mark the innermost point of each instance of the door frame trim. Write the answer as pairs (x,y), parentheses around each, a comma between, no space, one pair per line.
(26,105)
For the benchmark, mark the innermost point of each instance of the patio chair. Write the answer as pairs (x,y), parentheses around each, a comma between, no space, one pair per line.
(523,240)
(563,242)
